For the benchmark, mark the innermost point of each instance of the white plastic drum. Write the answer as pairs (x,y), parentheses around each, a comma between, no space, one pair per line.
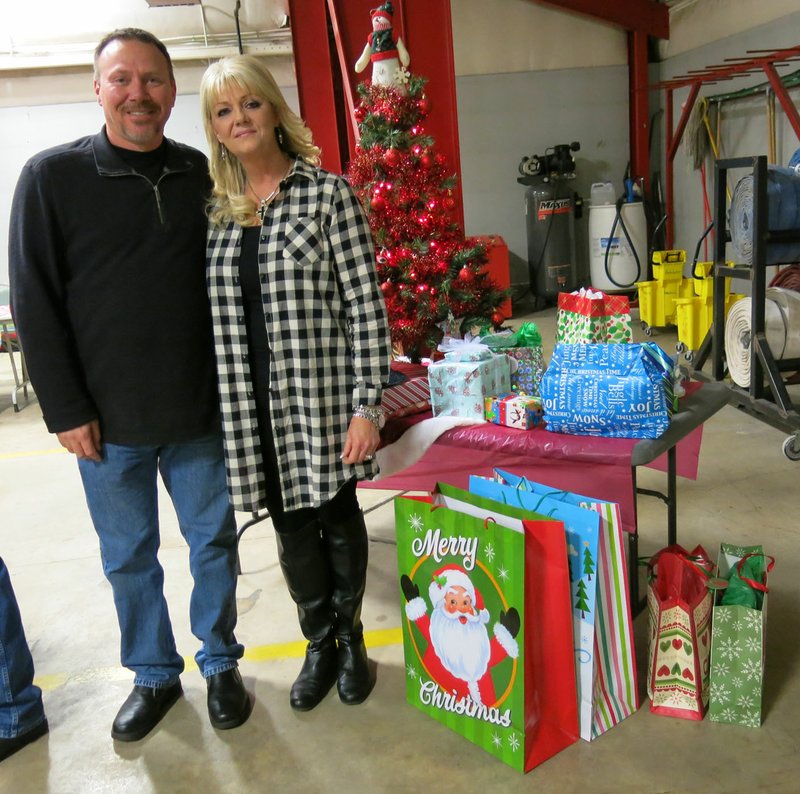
(623,270)
(781,328)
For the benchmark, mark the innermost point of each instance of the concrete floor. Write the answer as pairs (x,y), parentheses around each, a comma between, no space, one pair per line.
(746,492)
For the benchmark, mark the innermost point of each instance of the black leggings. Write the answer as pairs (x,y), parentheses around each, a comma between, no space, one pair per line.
(340,507)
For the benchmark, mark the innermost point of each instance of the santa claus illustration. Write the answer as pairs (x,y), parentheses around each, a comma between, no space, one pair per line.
(383,51)
(460,651)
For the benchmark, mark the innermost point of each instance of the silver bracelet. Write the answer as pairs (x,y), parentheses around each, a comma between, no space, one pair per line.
(372,412)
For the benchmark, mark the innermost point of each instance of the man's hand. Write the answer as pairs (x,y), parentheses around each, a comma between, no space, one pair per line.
(83,441)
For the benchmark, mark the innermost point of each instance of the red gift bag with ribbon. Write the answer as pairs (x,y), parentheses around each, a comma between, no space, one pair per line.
(679,604)
(588,316)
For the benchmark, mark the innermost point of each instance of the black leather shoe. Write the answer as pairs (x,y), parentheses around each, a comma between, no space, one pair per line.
(356,679)
(229,705)
(143,710)
(317,675)
(10,746)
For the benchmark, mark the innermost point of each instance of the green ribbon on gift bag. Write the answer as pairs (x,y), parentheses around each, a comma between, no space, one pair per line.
(746,581)
(738,636)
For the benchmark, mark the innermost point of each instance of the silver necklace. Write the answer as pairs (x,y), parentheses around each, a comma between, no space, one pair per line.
(267,200)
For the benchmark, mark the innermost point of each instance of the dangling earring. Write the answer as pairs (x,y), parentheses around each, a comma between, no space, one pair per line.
(279,135)
(223,153)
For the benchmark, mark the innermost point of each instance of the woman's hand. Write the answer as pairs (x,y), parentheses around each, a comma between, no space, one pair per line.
(361,442)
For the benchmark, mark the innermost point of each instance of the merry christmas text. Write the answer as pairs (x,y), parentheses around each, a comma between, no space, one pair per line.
(430,694)
(436,546)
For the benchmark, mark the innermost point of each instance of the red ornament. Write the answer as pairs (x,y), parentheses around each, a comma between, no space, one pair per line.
(392,157)
(377,203)
(422,287)
(449,203)
(360,113)
(426,161)
(465,274)
(423,104)
(498,318)
(387,288)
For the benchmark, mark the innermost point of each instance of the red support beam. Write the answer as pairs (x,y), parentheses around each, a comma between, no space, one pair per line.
(315,69)
(643,16)
(786,101)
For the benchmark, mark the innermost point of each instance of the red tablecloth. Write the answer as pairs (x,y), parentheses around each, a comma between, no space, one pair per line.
(597,467)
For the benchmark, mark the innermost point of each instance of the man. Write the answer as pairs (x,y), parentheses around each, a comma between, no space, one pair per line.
(107,252)
(22,719)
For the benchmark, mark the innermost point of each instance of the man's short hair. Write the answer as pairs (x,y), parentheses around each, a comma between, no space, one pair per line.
(131,34)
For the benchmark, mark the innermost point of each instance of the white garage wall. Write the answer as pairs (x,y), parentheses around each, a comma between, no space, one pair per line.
(529,77)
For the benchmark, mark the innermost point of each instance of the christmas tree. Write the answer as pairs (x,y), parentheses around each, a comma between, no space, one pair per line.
(431,276)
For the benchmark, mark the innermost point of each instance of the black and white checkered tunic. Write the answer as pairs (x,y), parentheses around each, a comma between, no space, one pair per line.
(328,336)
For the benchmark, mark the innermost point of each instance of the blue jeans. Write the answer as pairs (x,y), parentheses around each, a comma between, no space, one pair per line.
(121,492)
(21,708)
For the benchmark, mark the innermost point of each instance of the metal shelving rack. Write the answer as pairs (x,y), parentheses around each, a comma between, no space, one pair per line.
(767,401)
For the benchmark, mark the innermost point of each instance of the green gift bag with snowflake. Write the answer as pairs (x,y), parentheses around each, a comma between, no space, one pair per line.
(738,636)
(487,624)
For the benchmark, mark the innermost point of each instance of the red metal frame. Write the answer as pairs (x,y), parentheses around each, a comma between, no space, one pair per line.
(758,60)
(643,16)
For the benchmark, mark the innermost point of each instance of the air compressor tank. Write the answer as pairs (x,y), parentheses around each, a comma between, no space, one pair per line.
(551,208)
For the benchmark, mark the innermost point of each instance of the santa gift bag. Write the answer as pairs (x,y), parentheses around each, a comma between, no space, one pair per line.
(487,629)
(738,636)
(679,605)
(592,316)
(605,662)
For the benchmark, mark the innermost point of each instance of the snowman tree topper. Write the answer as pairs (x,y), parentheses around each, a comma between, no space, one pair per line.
(388,57)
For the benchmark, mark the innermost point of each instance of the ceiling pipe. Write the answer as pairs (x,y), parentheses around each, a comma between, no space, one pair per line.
(238,29)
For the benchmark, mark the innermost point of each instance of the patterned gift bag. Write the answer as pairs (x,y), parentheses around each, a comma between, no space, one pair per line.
(679,620)
(605,663)
(738,637)
(590,316)
(525,347)
(486,623)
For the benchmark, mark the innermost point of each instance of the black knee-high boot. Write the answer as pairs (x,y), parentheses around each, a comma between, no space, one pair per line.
(304,562)
(348,548)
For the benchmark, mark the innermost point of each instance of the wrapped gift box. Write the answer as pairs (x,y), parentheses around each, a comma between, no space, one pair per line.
(622,391)
(530,369)
(525,347)
(412,396)
(463,378)
(513,410)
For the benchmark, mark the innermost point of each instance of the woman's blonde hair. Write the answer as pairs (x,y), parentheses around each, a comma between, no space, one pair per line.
(228,200)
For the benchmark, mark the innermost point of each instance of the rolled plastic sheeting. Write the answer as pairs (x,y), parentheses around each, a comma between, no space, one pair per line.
(783,201)
(781,327)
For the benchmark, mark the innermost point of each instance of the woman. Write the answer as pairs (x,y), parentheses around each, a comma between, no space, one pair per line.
(303,350)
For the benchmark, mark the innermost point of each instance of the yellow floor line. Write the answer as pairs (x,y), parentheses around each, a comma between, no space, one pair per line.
(262,653)
(31,453)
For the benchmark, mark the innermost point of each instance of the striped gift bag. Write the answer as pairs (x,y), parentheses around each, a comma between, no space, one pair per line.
(602,624)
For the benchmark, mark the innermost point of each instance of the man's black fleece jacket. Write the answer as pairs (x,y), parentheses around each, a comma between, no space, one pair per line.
(108,292)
